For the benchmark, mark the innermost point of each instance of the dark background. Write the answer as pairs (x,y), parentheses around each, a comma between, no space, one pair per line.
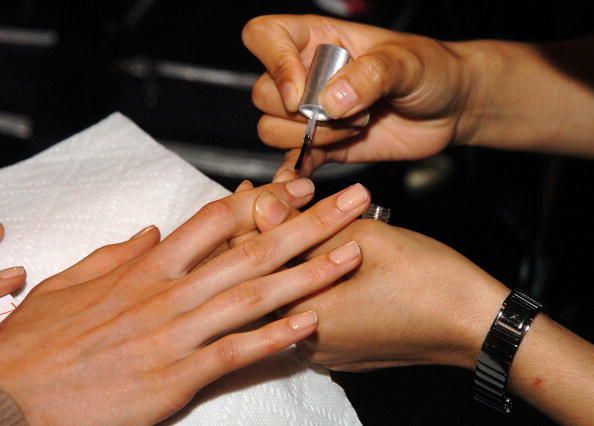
(524,218)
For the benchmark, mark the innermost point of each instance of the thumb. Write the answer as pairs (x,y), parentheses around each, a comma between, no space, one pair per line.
(387,71)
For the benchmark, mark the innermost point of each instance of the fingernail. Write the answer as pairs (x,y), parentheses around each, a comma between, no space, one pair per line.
(339,98)
(352,198)
(13,272)
(244,184)
(271,208)
(305,320)
(142,232)
(344,254)
(289,94)
(300,187)
(285,175)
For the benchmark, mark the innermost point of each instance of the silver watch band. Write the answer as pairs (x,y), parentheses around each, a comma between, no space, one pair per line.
(496,356)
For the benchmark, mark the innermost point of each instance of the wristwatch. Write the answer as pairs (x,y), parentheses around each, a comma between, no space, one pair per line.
(495,359)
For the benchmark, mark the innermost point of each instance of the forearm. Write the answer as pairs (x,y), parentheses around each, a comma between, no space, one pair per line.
(529,97)
(554,371)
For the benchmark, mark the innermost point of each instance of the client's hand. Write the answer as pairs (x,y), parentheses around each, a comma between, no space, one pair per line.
(11,279)
(412,301)
(130,334)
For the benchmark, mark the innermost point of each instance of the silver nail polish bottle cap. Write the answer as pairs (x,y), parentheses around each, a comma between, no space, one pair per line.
(327,59)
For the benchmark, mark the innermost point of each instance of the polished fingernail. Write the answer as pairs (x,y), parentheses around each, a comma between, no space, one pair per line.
(352,198)
(339,98)
(285,175)
(246,184)
(271,208)
(346,253)
(142,232)
(300,187)
(16,271)
(305,320)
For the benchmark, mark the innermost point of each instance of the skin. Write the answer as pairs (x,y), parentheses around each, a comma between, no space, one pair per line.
(413,300)
(145,324)
(422,94)
(420,302)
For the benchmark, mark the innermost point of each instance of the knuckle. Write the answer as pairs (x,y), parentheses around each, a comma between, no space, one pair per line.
(247,295)
(377,69)
(320,219)
(317,272)
(256,251)
(228,353)
(219,212)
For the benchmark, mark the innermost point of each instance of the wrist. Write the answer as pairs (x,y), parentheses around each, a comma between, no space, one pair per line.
(482,65)
(485,302)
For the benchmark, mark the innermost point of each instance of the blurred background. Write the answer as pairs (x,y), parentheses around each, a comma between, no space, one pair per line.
(179,70)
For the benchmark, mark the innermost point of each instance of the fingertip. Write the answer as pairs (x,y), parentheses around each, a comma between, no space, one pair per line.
(245,185)
(12,279)
(306,321)
(285,175)
(145,231)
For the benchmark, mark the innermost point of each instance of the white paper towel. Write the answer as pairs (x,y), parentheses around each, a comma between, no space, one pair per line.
(103,185)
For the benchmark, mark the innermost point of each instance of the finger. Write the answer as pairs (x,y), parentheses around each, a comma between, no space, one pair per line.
(277,44)
(1,232)
(235,351)
(270,250)
(270,211)
(390,70)
(105,259)
(217,222)
(314,158)
(283,133)
(12,279)
(245,303)
(267,99)
(246,185)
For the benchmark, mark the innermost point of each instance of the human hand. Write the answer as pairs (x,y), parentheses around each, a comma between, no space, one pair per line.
(417,89)
(132,332)
(412,301)
(11,279)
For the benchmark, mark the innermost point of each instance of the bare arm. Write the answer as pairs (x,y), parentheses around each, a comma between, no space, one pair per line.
(530,97)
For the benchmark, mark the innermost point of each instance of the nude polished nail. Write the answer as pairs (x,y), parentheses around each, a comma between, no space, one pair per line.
(345,253)
(304,320)
(353,197)
(300,187)
(339,97)
(14,272)
(142,232)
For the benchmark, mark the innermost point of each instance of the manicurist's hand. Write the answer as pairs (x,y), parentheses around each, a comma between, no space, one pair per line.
(416,301)
(415,88)
(130,334)
(13,278)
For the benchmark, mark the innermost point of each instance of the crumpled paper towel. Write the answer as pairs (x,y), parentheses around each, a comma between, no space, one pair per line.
(103,185)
